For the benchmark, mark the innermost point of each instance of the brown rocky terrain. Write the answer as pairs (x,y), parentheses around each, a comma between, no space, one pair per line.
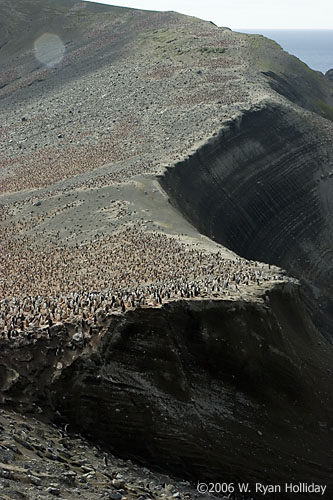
(157,175)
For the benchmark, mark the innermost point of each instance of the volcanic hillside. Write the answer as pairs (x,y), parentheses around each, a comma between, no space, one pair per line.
(166,239)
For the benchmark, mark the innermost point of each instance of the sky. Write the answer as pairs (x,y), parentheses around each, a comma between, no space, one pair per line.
(250,14)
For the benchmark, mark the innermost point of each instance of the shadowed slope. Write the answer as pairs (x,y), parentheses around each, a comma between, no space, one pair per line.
(264,188)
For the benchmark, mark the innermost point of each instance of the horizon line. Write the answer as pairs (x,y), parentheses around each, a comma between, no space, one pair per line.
(286,29)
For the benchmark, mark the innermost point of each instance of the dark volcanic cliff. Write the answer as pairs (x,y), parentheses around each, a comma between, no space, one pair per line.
(200,388)
(264,188)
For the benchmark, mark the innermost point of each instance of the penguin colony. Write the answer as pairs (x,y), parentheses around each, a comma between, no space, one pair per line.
(42,286)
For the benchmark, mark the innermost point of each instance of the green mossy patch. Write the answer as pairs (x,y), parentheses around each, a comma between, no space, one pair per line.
(326,109)
(212,50)
(308,86)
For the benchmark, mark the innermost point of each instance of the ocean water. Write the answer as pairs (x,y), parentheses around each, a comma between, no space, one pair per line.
(314,47)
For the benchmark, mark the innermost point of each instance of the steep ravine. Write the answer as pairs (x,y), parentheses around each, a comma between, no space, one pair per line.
(264,188)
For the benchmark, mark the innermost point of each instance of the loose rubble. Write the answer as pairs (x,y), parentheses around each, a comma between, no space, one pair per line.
(43,461)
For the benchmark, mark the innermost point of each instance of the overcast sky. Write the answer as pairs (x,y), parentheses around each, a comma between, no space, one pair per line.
(236,14)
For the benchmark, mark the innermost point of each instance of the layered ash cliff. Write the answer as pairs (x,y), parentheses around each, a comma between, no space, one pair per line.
(198,387)
(264,188)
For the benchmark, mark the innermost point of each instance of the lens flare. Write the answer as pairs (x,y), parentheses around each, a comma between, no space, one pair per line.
(49,49)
